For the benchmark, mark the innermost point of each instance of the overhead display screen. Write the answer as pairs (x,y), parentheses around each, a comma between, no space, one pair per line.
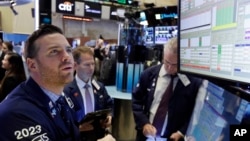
(113,13)
(215,38)
(92,9)
(164,33)
(148,37)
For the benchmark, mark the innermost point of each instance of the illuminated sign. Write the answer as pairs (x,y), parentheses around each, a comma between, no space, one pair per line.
(45,18)
(122,1)
(92,9)
(117,13)
(163,16)
(113,13)
(65,6)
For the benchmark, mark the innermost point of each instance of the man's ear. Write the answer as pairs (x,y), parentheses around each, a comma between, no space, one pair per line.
(31,64)
(75,64)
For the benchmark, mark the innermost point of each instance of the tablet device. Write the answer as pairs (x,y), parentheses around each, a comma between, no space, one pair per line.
(96,115)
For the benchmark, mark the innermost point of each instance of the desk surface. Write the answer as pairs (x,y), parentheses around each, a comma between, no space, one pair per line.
(112,91)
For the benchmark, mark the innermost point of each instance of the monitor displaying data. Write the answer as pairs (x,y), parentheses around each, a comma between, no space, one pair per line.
(215,38)
(215,110)
(148,36)
(164,33)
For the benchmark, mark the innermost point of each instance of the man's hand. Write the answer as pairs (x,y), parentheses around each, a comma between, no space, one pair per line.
(86,126)
(107,122)
(149,130)
(176,136)
(107,138)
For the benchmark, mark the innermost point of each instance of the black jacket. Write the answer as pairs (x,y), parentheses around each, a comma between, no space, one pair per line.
(180,107)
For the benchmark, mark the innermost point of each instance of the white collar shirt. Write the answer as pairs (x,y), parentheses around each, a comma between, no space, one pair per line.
(81,85)
(161,85)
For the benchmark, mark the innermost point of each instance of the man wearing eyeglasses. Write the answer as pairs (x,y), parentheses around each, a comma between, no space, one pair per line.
(163,99)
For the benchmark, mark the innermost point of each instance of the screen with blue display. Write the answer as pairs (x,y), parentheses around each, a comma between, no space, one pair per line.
(148,35)
(215,110)
(164,33)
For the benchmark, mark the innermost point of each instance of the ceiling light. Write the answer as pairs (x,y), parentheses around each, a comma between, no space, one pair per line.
(18,2)
(12,3)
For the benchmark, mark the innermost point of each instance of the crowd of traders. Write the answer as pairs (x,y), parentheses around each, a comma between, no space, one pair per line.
(52,101)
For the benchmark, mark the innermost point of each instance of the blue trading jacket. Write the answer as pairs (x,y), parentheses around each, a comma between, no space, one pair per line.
(29,114)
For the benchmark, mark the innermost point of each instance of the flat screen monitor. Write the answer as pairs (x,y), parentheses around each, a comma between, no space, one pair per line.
(166,16)
(148,36)
(143,18)
(215,110)
(92,9)
(164,33)
(215,39)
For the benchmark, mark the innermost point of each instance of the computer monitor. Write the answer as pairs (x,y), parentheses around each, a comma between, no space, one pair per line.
(215,39)
(166,16)
(143,18)
(215,110)
(164,33)
(148,35)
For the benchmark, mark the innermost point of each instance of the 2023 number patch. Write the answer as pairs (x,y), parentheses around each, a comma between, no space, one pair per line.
(26,132)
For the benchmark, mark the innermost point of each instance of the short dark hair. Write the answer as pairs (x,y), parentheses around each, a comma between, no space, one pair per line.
(81,50)
(30,48)
(8,45)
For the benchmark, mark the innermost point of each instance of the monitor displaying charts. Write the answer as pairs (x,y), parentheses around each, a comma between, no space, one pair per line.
(215,39)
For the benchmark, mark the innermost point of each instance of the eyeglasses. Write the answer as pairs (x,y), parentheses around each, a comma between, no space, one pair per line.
(170,64)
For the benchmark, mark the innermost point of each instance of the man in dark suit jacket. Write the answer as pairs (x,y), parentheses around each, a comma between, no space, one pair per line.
(147,95)
(84,66)
(31,110)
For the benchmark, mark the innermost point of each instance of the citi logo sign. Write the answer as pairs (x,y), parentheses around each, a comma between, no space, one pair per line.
(66,6)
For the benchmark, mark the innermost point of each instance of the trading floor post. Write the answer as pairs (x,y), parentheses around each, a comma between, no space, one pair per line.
(123,126)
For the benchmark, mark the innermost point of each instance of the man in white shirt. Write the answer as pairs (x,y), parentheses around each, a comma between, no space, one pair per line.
(90,99)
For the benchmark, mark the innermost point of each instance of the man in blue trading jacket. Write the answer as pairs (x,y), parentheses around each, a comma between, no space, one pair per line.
(90,99)
(147,99)
(30,111)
